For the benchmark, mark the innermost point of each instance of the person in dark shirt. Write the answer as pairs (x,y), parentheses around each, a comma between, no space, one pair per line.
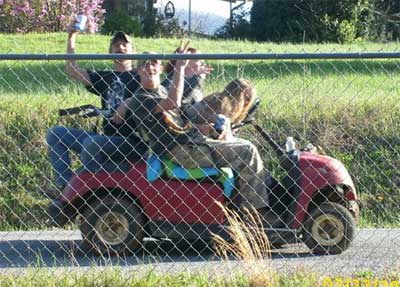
(118,139)
(155,111)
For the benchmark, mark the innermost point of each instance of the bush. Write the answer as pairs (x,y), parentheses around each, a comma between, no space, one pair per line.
(386,22)
(346,32)
(311,20)
(122,22)
(239,29)
(48,16)
(157,25)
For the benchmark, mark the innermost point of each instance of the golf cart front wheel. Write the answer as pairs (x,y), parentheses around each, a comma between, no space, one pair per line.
(112,226)
(330,229)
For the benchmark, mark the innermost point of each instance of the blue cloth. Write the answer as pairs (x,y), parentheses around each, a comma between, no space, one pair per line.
(94,150)
(101,149)
(156,167)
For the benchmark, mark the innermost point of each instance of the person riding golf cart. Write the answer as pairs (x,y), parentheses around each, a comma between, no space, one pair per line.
(315,202)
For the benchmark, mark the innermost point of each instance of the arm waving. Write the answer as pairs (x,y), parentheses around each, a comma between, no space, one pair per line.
(175,94)
(72,68)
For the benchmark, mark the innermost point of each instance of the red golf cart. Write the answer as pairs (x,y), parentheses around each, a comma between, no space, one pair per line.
(315,202)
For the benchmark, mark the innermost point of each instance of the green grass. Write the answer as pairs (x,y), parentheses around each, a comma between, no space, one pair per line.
(88,43)
(116,277)
(348,107)
(113,278)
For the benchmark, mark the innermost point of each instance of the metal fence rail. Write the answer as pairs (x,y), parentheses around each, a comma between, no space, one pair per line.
(131,211)
(204,56)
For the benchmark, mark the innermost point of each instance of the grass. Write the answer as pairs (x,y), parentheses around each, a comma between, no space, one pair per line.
(55,43)
(116,277)
(113,277)
(348,107)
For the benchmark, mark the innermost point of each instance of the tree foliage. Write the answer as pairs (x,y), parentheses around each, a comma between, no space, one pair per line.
(238,27)
(156,24)
(140,18)
(387,19)
(122,21)
(48,16)
(311,20)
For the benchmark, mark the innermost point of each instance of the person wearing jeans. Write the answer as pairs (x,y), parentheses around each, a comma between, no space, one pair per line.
(110,152)
(113,87)
(61,140)
(93,150)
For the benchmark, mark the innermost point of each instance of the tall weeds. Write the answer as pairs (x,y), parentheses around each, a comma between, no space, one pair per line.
(249,243)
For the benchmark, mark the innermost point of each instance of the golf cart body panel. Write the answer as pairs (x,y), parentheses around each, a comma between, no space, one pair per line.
(320,172)
(167,199)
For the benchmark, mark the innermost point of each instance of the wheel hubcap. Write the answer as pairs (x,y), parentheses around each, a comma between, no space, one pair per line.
(328,230)
(112,228)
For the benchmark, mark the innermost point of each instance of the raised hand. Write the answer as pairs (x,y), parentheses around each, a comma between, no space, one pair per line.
(183,49)
(203,70)
(71,30)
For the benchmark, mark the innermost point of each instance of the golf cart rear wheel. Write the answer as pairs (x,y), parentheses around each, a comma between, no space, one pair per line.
(112,226)
(330,229)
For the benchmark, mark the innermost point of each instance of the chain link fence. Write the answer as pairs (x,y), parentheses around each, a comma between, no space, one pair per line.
(146,207)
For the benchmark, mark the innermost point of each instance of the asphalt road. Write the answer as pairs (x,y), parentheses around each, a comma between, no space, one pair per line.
(373,250)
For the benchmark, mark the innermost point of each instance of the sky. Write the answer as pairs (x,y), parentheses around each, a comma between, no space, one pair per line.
(207,15)
(216,6)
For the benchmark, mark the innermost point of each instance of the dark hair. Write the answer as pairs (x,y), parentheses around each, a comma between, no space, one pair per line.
(120,36)
(143,62)
(171,64)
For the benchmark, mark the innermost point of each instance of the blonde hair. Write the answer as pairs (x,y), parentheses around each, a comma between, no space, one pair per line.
(234,102)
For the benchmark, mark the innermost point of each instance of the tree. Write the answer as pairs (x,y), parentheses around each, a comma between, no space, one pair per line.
(48,16)
(387,19)
(132,8)
(310,20)
(276,21)
(239,28)
(156,24)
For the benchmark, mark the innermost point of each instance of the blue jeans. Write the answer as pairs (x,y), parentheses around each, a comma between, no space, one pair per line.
(95,150)
(61,140)
(107,152)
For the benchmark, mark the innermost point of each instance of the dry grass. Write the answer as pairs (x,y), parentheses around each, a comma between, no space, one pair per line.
(249,244)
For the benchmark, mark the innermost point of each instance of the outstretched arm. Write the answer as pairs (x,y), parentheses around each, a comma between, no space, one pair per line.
(175,94)
(72,68)
(201,71)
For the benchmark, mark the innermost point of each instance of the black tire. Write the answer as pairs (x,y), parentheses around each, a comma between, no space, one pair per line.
(330,229)
(112,226)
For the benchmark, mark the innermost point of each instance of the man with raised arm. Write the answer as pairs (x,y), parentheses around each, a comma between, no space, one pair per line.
(154,111)
(117,140)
